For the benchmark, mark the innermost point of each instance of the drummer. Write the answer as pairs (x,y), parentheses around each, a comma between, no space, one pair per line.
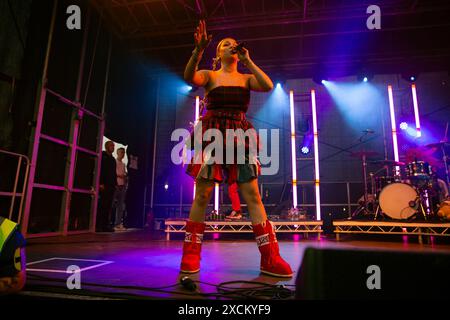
(443,190)
(440,186)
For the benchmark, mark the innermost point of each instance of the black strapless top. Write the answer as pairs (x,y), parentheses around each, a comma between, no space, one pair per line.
(236,98)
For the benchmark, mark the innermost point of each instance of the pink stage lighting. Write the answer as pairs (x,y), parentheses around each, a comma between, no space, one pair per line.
(416,110)
(394,127)
(293,153)
(316,154)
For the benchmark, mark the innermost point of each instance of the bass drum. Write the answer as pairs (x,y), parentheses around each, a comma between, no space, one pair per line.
(395,200)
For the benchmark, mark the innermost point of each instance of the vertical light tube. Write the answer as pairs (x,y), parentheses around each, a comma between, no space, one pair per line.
(293,148)
(416,110)
(197,115)
(197,108)
(216,198)
(394,127)
(316,154)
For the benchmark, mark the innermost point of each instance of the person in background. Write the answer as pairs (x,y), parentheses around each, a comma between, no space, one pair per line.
(12,258)
(121,190)
(108,182)
(233,194)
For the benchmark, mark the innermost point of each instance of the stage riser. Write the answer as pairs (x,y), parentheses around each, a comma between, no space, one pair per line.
(345,274)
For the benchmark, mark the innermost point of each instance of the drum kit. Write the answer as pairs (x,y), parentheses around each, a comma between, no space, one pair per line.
(400,190)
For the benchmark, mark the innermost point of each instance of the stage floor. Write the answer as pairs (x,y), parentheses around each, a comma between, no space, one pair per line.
(118,263)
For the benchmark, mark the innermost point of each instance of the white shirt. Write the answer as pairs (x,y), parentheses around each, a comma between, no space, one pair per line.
(120,171)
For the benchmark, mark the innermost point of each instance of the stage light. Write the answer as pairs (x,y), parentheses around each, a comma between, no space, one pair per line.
(364,75)
(278,80)
(416,110)
(216,198)
(394,128)
(293,153)
(187,89)
(166,186)
(197,116)
(403,125)
(316,154)
(197,109)
(410,76)
(320,78)
(305,150)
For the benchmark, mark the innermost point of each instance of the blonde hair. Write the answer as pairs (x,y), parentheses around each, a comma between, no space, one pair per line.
(216,60)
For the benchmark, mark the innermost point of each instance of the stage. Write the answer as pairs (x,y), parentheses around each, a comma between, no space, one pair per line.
(306,227)
(245,226)
(142,264)
(393,227)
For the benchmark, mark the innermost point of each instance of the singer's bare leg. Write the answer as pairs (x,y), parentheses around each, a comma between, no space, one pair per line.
(250,192)
(203,192)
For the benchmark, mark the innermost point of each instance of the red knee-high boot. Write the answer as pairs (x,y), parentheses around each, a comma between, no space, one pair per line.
(271,261)
(190,263)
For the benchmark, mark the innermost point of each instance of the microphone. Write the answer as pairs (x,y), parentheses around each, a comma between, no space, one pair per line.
(368,131)
(239,47)
(188,283)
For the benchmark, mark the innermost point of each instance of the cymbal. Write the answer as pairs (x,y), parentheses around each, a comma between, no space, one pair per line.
(389,162)
(437,144)
(360,154)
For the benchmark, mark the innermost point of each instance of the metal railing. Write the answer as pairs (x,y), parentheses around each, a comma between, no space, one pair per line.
(180,207)
(14,194)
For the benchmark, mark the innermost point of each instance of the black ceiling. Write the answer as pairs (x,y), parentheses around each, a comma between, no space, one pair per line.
(290,38)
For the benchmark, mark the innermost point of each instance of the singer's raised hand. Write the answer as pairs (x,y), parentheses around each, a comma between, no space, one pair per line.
(201,38)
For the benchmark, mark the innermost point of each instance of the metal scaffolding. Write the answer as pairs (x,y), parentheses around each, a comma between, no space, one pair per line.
(78,111)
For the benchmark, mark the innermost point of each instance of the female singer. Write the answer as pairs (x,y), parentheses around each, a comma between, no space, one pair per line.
(227,98)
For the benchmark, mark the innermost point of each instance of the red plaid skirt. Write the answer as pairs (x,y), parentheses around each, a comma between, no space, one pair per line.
(223,172)
(226,107)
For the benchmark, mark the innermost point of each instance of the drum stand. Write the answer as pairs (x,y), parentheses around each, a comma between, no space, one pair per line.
(418,204)
(444,159)
(375,191)
(363,209)
(444,155)
(378,211)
